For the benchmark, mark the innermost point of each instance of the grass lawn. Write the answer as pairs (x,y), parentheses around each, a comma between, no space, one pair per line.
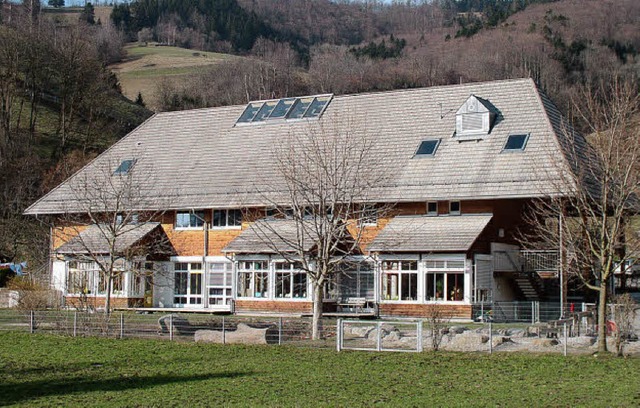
(48,370)
(144,68)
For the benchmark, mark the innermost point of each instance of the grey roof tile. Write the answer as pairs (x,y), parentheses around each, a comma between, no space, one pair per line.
(200,159)
(429,234)
(96,239)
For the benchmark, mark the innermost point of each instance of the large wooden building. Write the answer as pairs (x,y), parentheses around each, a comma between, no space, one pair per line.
(464,162)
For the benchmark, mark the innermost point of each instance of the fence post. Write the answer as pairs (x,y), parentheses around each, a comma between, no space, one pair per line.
(533,312)
(224,334)
(565,339)
(379,337)
(339,335)
(490,337)
(32,328)
(171,327)
(419,330)
(75,323)
(121,325)
(280,330)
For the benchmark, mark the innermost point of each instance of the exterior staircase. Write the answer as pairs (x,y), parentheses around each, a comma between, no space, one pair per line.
(529,286)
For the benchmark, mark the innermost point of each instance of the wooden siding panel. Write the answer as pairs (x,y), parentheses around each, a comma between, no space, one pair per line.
(273,306)
(422,310)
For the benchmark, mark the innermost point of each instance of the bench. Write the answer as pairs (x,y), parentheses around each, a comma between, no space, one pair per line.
(355,304)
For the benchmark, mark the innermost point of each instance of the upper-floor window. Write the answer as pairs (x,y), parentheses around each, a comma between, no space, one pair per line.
(454,207)
(226,218)
(189,219)
(368,215)
(432,208)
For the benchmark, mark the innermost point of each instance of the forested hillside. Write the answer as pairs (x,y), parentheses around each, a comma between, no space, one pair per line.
(302,47)
(59,108)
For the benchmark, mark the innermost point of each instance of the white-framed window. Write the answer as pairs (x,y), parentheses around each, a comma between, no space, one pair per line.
(219,285)
(187,283)
(189,219)
(444,280)
(226,219)
(454,207)
(291,281)
(357,279)
(400,280)
(81,277)
(432,208)
(141,272)
(253,279)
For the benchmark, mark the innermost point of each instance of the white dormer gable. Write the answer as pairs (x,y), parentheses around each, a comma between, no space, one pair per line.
(473,119)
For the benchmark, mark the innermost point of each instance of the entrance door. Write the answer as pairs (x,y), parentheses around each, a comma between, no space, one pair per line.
(188,284)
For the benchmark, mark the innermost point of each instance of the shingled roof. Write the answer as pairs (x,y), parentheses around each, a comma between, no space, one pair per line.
(271,236)
(429,234)
(202,159)
(95,239)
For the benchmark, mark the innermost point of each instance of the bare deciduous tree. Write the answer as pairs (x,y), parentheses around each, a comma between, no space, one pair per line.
(591,224)
(325,177)
(112,224)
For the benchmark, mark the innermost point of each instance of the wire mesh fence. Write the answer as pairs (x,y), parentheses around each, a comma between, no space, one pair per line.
(171,326)
(574,333)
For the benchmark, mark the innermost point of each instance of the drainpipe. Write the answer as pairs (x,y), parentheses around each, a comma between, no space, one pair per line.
(205,253)
(561,266)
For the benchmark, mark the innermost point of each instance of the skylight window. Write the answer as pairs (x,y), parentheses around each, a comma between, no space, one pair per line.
(428,147)
(516,142)
(125,166)
(288,108)
(300,108)
(250,112)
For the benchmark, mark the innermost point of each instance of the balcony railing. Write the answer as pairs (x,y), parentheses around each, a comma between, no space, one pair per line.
(526,261)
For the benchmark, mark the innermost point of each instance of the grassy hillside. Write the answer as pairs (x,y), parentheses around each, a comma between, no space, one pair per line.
(145,67)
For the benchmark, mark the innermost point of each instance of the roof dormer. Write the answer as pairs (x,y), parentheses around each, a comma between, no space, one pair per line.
(474,119)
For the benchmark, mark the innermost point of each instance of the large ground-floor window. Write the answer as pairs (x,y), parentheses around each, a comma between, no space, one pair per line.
(400,280)
(253,279)
(219,285)
(187,283)
(81,277)
(357,279)
(444,280)
(290,281)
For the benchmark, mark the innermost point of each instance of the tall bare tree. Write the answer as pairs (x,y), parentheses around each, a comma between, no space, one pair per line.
(591,224)
(112,224)
(326,176)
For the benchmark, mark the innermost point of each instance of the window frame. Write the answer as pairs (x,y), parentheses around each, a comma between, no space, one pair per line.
(433,153)
(125,167)
(226,212)
(199,216)
(455,212)
(520,149)
(254,274)
(432,213)
(402,274)
(191,298)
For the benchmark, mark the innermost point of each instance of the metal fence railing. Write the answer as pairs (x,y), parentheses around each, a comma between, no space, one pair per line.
(529,312)
(172,326)
(379,335)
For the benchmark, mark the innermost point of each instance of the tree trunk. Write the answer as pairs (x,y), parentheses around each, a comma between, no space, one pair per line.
(318,296)
(107,297)
(602,317)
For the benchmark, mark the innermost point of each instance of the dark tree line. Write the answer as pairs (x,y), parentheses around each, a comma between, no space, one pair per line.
(217,21)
